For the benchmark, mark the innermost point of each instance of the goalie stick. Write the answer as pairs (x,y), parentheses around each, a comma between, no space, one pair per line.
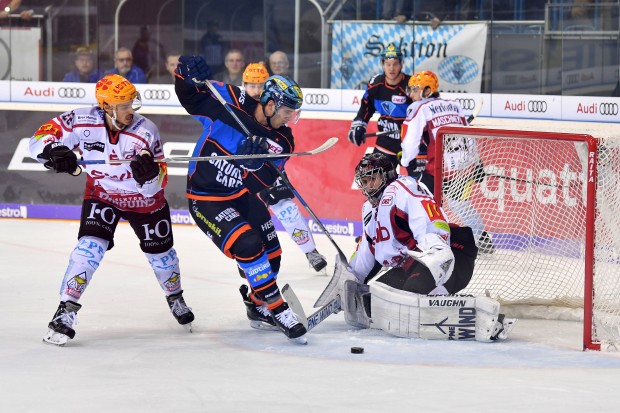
(332,307)
(282,175)
(325,146)
(470,119)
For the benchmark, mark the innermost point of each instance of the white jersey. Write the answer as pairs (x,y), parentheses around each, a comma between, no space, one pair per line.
(405,213)
(425,117)
(84,129)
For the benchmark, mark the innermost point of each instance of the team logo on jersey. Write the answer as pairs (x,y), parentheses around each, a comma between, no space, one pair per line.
(388,107)
(174,282)
(399,100)
(94,146)
(49,128)
(387,200)
(300,236)
(76,285)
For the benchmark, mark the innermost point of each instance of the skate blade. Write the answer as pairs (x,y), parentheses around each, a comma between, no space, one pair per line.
(299,340)
(509,324)
(188,327)
(259,325)
(57,339)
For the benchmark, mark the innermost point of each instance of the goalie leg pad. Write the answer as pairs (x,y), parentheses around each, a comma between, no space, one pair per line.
(395,311)
(451,317)
(354,310)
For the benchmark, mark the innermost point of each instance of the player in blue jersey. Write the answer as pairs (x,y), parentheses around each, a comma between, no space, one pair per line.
(386,94)
(219,200)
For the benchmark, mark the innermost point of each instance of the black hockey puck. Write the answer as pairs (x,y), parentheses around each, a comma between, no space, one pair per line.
(357,350)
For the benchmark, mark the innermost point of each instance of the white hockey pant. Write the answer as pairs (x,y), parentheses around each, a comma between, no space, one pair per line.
(406,314)
(287,212)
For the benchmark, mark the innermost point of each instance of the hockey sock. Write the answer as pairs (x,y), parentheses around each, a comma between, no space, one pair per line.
(83,262)
(166,268)
(287,212)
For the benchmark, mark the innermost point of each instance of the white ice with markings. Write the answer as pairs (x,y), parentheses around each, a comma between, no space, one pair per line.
(130,355)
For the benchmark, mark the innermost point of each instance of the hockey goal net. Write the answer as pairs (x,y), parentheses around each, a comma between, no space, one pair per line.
(546,209)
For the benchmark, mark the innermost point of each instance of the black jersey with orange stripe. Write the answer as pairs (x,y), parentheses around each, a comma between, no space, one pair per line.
(222,180)
(391,103)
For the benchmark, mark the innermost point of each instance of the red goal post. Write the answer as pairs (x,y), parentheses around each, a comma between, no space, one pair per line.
(550,204)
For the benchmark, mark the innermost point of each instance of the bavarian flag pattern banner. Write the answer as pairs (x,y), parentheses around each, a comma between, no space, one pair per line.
(454,52)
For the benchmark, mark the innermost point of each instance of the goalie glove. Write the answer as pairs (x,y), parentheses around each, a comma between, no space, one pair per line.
(436,255)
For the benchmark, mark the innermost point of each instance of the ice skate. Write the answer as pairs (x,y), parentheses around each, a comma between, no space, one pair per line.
(287,322)
(181,312)
(316,260)
(61,326)
(259,315)
(485,243)
(503,327)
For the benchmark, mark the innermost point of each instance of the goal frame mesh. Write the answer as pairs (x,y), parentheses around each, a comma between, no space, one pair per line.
(589,341)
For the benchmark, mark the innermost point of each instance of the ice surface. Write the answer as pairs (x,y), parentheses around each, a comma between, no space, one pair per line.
(130,355)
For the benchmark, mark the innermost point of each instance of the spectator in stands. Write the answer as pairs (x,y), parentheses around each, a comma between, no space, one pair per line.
(427,10)
(234,63)
(145,52)
(123,65)
(278,63)
(85,67)
(212,47)
(8,7)
(172,60)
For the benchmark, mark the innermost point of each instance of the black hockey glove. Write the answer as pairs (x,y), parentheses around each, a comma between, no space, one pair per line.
(60,158)
(275,194)
(193,67)
(357,131)
(143,167)
(252,146)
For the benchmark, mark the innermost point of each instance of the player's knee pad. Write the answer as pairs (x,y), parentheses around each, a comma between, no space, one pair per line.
(248,245)
(83,262)
(166,268)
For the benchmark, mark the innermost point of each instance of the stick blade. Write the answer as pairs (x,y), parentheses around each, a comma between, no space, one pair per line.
(295,304)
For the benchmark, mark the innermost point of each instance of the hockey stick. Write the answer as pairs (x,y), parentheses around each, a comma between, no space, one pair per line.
(332,307)
(385,132)
(475,112)
(282,174)
(325,146)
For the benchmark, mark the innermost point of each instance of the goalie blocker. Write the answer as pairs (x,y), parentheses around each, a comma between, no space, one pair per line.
(406,314)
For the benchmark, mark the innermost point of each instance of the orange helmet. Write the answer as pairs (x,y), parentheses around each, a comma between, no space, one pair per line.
(424,79)
(255,73)
(114,89)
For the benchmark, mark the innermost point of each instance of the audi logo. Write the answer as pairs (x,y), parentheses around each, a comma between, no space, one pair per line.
(317,99)
(71,92)
(157,94)
(539,106)
(608,109)
(466,103)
